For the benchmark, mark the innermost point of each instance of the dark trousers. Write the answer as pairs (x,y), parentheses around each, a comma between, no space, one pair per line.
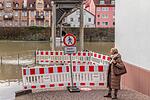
(115,91)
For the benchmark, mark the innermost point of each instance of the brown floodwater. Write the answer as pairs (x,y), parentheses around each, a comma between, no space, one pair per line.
(11,51)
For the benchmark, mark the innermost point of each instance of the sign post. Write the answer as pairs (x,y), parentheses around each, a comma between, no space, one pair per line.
(70,48)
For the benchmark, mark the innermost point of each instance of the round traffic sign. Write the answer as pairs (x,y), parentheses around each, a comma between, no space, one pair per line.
(69,40)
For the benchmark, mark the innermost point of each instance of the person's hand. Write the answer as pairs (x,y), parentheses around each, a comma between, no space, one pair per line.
(114,62)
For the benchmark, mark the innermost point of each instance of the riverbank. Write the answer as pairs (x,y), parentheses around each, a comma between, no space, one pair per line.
(44,34)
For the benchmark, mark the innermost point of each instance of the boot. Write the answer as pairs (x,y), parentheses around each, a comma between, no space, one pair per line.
(115,94)
(109,94)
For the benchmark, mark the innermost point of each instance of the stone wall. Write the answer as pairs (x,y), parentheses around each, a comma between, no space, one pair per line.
(40,33)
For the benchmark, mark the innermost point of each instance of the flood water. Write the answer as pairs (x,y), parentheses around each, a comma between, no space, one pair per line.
(11,51)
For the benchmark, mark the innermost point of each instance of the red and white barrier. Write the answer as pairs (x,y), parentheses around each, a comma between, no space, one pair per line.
(58,57)
(59,76)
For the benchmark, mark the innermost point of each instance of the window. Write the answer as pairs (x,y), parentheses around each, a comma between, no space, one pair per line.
(32,22)
(79,19)
(0,13)
(113,2)
(105,9)
(16,13)
(71,19)
(24,13)
(102,2)
(31,5)
(1,5)
(104,16)
(8,4)
(77,12)
(98,16)
(104,23)
(47,13)
(39,5)
(17,5)
(47,23)
(32,13)
(98,23)
(89,19)
(47,5)
(98,9)
(114,23)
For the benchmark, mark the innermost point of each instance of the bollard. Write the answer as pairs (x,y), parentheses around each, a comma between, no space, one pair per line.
(1,60)
(18,59)
(35,57)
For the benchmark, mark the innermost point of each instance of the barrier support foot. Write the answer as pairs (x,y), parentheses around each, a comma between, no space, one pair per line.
(72,89)
(23,92)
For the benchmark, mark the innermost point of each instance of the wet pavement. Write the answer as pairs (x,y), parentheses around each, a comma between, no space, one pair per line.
(83,95)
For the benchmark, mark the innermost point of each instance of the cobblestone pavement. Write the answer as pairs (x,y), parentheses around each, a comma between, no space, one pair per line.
(83,95)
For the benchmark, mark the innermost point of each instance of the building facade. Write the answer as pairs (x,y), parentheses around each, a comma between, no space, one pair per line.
(73,20)
(105,13)
(24,13)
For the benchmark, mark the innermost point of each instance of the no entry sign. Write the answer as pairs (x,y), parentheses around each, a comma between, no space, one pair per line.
(69,40)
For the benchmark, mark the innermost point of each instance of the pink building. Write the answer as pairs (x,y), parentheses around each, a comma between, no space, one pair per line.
(105,14)
(104,11)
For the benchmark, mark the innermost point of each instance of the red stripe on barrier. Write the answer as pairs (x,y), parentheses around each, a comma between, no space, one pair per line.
(59,69)
(42,86)
(74,54)
(100,68)
(104,57)
(108,58)
(67,68)
(52,53)
(68,84)
(91,68)
(74,68)
(79,54)
(82,83)
(52,85)
(56,61)
(56,53)
(74,84)
(89,54)
(32,71)
(61,53)
(37,61)
(92,84)
(24,71)
(84,54)
(50,69)
(33,87)
(82,68)
(46,53)
(61,84)
(46,61)
(42,60)
(42,53)
(101,83)
(52,61)
(99,56)
(41,70)
(95,55)
(74,61)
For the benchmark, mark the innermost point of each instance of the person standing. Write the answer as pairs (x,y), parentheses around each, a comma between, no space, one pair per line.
(115,70)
